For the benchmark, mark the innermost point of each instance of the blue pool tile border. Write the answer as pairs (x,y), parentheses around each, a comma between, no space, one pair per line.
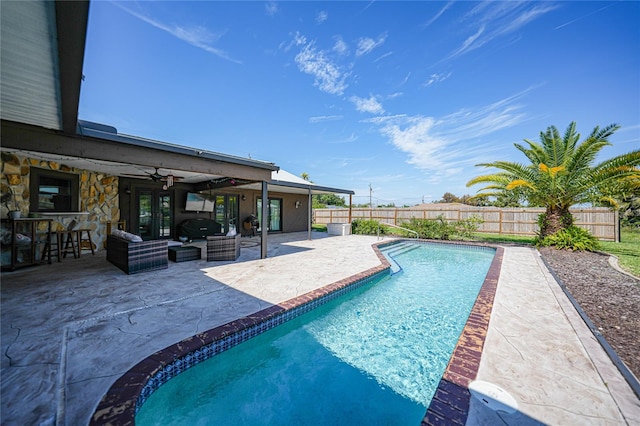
(451,401)
(214,348)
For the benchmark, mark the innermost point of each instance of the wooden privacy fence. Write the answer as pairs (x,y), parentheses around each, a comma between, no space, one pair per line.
(602,222)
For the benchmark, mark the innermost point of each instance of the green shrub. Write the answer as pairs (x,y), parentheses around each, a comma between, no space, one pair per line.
(440,229)
(435,229)
(465,228)
(367,227)
(571,238)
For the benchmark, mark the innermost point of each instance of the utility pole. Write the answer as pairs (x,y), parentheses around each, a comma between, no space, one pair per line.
(370,203)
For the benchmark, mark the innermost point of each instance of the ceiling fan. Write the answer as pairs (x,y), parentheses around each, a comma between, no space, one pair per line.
(169,179)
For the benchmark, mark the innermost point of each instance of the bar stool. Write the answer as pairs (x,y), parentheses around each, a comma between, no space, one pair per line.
(56,245)
(62,243)
(81,240)
(69,241)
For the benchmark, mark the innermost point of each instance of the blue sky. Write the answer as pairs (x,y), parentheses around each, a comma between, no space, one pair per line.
(402,97)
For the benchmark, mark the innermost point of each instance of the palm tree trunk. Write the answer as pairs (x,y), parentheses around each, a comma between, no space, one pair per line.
(555,219)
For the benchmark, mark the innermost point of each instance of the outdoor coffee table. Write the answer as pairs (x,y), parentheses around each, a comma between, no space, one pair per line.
(184,253)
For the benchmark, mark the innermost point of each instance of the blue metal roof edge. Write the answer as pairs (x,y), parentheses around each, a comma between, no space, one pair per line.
(102,131)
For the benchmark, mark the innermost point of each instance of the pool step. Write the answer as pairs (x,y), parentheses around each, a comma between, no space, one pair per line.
(401,248)
(396,250)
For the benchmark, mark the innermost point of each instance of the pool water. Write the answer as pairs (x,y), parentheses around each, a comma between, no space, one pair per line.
(373,356)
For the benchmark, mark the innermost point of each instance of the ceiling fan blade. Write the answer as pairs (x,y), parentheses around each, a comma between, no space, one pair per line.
(138,176)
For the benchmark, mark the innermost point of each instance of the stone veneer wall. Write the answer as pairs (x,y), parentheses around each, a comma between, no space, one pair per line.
(98,195)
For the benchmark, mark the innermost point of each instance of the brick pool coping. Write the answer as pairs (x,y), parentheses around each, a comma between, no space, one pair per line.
(450,403)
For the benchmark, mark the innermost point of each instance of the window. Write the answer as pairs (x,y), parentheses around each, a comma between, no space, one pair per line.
(53,191)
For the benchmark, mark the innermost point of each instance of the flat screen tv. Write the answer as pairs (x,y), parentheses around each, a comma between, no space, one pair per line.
(198,203)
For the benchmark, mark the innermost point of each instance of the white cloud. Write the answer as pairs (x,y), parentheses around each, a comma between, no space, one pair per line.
(299,39)
(321,17)
(196,36)
(366,45)
(436,78)
(340,46)
(496,19)
(384,55)
(435,18)
(417,138)
(470,43)
(451,141)
(328,76)
(349,139)
(584,16)
(271,8)
(322,118)
(370,105)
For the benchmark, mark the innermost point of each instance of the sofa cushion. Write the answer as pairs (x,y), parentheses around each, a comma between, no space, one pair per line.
(127,236)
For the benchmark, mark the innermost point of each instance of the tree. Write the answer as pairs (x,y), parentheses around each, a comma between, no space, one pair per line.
(448,198)
(513,198)
(322,200)
(562,174)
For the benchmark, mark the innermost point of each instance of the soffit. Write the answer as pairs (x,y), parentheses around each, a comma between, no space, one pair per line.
(287,183)
(29,91)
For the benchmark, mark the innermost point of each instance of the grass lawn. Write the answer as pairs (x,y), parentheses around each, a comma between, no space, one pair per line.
(627,250)
(319,227)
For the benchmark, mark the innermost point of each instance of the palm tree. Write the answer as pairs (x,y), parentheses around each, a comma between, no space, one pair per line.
(562,174)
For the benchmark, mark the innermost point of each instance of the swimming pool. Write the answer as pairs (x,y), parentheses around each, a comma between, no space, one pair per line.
(366,357)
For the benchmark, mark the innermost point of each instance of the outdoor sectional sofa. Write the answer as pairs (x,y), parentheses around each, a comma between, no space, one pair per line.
(137,256)
(223,247)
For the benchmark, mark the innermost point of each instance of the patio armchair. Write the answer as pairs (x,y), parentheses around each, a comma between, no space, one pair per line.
(223,247)
(137,256)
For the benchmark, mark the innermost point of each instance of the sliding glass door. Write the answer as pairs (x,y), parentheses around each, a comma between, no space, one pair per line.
(226,211)
(274,221)
(155,217)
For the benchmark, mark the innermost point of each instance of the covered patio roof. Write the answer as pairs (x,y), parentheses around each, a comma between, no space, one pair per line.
(283,181)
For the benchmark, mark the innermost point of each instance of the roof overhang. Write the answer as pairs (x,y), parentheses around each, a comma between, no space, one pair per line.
(284,182)
(42,53)
(123,156)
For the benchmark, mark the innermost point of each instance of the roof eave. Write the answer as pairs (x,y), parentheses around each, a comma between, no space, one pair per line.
(176,149)
(71,26)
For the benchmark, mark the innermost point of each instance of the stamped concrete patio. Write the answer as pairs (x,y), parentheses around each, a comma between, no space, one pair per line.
(70,329)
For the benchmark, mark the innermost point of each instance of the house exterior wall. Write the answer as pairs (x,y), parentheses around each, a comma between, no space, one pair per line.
(293,219)
(98,195)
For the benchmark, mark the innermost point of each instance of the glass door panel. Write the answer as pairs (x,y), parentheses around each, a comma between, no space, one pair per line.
(274,222)
(145,214)
(220,212)
(226,212)
(155,214)
(164,215)
(275,217)
(232,212)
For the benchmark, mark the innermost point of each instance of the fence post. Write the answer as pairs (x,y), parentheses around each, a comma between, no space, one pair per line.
(500,223)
